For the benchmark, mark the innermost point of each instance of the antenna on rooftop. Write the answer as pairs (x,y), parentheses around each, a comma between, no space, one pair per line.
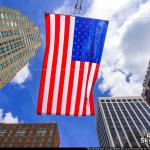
(78,7)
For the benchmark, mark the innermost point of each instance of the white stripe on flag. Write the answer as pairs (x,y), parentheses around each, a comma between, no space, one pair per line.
(75,86)
(68,64)
(91,78)
(49,65)
(83,87)
(59,62)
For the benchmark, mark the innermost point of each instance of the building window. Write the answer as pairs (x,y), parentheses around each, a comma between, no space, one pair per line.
(118,100)
(149,83)
(51,131)
(2,131)
(6,140)
(146,93)
(20,140)
(41,131)
(49,141)
(10,133)
(20,132)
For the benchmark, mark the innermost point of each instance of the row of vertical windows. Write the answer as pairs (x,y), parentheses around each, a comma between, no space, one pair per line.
(21,132)
(132,123)
(141,117)
(10,41)
(11,16)
(120,100)
(2,131)
(11,47)
(4,51)
(117,123)
(4,34)
(110,123)
(9,72)
(14,24)
(147,107)
(101,130)
(14,46)
(11,60)
(123,121)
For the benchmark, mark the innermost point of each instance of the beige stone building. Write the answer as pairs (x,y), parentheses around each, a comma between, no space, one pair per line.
(19,41)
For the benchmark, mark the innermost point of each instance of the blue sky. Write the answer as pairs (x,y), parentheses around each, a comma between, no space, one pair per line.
(21,101)
(121,75)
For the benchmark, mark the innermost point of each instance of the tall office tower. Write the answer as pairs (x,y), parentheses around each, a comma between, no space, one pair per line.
(146,86)
(19,40)
(29,135)
(123,122)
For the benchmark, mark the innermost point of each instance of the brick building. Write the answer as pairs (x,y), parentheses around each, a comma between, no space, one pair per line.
(29,135)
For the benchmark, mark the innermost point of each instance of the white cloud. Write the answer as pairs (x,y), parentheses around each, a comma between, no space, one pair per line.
(135,35)
(126,46)
(7,117)
(65,8)
(117,83)
(22,75)
(110,8)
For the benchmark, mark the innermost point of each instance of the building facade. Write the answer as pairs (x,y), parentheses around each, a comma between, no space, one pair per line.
(29,135)
(19,40)
(123,122)
(146,86)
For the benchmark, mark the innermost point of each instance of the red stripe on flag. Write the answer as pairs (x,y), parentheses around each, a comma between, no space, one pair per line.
(63,65)
(91,101)
(79,89)
(44,67)
(54,63)
(70,87)
(85,98)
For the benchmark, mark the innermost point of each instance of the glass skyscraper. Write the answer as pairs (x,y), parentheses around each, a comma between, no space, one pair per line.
(123,121)
(19,40)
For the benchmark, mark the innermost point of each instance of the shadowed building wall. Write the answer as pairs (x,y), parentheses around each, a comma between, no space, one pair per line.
(122,121)
(146,86)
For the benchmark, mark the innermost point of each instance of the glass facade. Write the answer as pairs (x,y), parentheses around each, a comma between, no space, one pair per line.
(19,41)
(125,121)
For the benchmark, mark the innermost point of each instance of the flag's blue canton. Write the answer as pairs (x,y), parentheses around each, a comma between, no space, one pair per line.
(89,37)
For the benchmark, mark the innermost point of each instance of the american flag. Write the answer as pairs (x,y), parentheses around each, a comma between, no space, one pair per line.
(72,58)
